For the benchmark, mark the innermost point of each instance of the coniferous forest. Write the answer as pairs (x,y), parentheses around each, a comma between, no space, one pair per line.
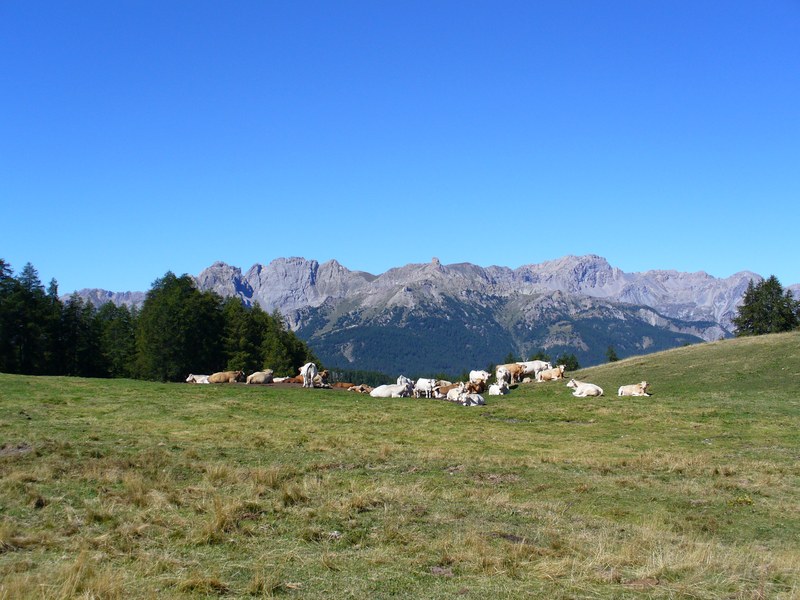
(178,330)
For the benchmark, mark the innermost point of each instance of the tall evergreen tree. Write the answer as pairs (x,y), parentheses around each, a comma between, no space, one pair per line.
(82,355)
(275,352)
(766,308)
(178,331)
(281,349)
(117,326)
(54,348)
(8,318)
(243,336)
(29,308)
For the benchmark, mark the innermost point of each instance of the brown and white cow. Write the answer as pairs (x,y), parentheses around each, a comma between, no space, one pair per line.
(511,373)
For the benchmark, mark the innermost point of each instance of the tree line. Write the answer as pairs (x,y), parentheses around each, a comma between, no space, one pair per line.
(178,330)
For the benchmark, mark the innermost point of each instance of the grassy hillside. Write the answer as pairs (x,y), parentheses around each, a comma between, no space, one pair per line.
(112,489)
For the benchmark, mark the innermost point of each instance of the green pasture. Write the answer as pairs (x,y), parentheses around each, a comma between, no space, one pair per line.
(130,489)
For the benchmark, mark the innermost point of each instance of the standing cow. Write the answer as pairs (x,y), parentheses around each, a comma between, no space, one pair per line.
(308,371)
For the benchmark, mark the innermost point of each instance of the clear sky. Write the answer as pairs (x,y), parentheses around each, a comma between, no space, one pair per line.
(138,137)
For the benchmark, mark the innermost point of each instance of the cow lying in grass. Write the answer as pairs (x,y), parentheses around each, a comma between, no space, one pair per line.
(192,378)
(583,389)
(361,388)
(551,374)
(637,389)
(393,390)
(226,377)
(260,377)
(499,389)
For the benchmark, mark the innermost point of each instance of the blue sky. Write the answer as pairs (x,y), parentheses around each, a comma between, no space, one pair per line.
(138,137)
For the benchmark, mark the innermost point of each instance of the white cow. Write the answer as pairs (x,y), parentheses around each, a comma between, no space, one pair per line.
(534,367)
(583,389)
(392,390)
(637,389)
(197,378)
(498,389)
(471,400)
(308,371)
(424,387)
(478,376)
(454,393)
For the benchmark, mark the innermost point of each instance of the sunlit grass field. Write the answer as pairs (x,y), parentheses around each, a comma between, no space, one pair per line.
(129,489)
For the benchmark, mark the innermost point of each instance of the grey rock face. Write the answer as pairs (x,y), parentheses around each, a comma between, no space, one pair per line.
(292,284)
(99,297)
(575,304)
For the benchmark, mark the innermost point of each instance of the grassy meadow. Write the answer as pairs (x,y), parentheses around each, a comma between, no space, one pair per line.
(130,489)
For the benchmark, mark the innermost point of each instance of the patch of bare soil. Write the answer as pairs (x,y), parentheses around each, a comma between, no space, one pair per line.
(15,449)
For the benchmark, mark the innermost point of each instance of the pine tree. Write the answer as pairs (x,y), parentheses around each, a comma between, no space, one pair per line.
(766,308)
(53,346)
(29,307)
(243,336)
(570,362)
(179,330)
(8,318)
(611,354)
(117,326)
(81,340)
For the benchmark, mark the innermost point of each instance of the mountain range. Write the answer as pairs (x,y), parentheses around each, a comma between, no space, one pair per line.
(434,318)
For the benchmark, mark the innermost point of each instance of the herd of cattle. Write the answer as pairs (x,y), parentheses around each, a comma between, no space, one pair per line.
(466,393)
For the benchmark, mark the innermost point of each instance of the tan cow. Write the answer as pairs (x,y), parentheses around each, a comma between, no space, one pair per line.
(226,377)
(343,384)
(511,372)
(260,377)
(637,389)
(551,374)
(320,380)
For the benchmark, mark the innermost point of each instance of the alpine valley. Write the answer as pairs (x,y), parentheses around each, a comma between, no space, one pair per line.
(433,318)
